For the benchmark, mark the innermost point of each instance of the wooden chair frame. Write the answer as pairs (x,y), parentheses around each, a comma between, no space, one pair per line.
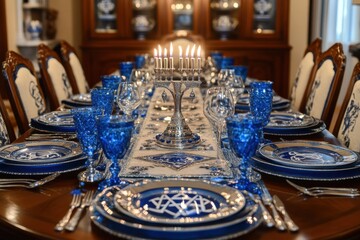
(315,49)
(354,78)
(44,53)
(336,54)
(11,64)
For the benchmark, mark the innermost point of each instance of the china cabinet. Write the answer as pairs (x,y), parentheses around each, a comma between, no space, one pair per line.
(254,32)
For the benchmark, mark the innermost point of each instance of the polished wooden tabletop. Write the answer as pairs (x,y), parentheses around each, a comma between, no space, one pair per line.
(32,214)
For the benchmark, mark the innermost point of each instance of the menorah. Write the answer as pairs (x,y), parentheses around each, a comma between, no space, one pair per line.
(177,80)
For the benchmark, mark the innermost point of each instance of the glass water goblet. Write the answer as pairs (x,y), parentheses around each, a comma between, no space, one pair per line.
(86,131)
(261,95)
(103,99)
(218,105)
(126,68)
(228,79)
(242,132)
(115,134)
(128,98)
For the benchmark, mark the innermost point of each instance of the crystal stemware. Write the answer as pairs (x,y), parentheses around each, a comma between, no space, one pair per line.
(261,95)
(227,78)
(128,98)
(218,105)
(103,99)
(243,139)
(115,133)
(86,131)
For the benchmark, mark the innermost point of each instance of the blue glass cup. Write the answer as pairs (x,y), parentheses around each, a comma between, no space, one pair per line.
(111,81)
(103,99)
(226,62)
(115,134)
(139,61)
(261,95)
(126,69)
(86,131)
(243,138)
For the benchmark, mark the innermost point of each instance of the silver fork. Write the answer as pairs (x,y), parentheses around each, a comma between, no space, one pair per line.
(72,224)
(27,183)
(75,202)
(321,191)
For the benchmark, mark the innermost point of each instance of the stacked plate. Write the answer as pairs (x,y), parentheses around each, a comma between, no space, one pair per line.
(279,103)
(293,124)
(41,157)
(57,121)
(78,100)
(175,209)
(307,160)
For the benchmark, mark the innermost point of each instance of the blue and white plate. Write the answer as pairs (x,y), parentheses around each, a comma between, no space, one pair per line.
(284,120)
(316,127)
(82,98)
(179,202)
(106,216)
(279,105)
(57,121)
(312,174)
(308,154)
(40,152)
(244,99)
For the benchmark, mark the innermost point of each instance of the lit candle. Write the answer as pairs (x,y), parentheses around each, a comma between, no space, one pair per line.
(187,65)
(199,57)
(171,59)
(160,58)
(165,59)
(181,62)
(192,61)
(155,58)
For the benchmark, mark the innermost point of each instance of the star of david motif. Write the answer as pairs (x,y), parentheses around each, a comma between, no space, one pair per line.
(182,204)
(176,161)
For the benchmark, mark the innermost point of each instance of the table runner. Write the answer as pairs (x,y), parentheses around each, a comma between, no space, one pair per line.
(147,159)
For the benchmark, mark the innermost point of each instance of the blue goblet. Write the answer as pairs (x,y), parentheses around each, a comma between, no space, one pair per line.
(243,139)
(139,61)
(86,131)
(261,95)
(111,81)
(126,69)
(103,99)
(115,133)
(241,72)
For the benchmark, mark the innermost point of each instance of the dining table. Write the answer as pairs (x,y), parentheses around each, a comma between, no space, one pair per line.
(33,213)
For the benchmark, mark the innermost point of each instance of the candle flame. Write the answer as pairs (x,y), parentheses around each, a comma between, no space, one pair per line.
(165,52)
(199,51)
(159,50)
(180,51)
(155,52)
(193,50)
(187,51)
(171,49)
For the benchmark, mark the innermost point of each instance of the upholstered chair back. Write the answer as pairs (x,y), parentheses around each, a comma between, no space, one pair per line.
(24,90)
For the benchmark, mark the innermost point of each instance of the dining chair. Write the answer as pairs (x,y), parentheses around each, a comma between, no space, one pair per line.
(7,134)
(347,125)
(305,73)
(73,67)
(55,81)
(320,98)
(24,90)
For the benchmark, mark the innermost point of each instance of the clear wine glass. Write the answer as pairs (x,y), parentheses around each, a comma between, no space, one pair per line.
(261,95)
(128,98)
(228,79)
(115,133)
(86,131)
(218,105)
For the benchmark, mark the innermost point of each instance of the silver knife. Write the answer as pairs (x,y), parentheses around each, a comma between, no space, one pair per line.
(281,208)
(44,180)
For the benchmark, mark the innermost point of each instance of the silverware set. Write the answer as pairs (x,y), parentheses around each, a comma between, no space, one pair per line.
(329,191)
(50,136)
(70,220)
(281,222)
(27,183)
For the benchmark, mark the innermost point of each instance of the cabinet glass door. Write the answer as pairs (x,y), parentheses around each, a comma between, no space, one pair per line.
(105,16)
(264,16)
(143,18)
(183,12)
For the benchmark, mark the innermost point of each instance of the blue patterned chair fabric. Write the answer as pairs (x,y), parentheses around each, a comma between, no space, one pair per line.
(25,94)
(322,96)
(348,123)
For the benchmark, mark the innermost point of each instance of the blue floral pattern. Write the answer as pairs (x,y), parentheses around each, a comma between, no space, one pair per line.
(67,87)
(310,102)
(4,137)
(349,121)
(35,94)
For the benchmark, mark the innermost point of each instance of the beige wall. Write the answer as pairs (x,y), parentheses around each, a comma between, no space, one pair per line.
(69,26)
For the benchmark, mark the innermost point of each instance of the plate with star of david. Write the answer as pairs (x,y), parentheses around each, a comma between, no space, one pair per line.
(106,216)
(40,152)
(180,202)
(308,154)
(57,121)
